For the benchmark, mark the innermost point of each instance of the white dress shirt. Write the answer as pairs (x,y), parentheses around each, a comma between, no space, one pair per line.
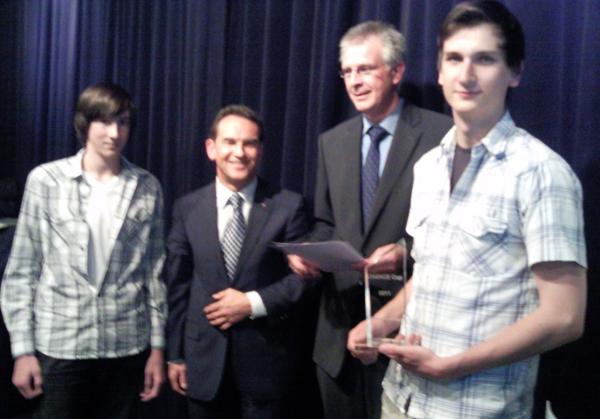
(224,214)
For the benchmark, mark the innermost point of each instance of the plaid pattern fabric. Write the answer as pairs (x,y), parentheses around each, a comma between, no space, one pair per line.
(48,302)
(517,203)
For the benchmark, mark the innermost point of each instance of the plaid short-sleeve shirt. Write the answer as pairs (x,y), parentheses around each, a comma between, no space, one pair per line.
(516,204)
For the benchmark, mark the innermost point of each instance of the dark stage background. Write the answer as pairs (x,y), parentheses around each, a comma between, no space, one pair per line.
(183,59)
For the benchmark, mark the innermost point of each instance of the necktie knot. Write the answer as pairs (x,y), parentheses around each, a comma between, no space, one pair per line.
(236,201)
(376,133)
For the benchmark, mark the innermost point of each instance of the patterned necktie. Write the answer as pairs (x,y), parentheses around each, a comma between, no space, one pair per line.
(370,172)
(233,238)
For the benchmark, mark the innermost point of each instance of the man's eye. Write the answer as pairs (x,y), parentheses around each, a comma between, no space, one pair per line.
(486,59)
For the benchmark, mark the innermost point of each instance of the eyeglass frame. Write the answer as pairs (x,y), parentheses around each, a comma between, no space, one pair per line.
(362,70)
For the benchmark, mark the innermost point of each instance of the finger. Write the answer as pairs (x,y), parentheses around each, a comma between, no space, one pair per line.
(225,325)
(147,380)
(153,393)
(391,350)
(152,382)
(214,315)
(174,382)
(37,388)
(208,310)
(28,388)
(220,294)
(183,384)
(217,321)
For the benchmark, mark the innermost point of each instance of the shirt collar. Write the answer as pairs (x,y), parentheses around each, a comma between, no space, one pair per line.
(389,123)
(495,141)
(223,192)
(74,166)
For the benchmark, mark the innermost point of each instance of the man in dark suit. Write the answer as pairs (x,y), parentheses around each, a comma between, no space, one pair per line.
(362,196)
(234,341)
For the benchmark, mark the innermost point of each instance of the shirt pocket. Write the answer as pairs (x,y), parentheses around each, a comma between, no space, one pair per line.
(481,245)
(67,230)
(417,229)
(136,225)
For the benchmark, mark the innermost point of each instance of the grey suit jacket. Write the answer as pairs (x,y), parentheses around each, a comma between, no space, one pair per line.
(338,216)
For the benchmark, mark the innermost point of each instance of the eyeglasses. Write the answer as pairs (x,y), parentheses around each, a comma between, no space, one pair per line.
(362,70)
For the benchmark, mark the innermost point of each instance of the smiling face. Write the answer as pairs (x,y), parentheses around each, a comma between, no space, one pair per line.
(474,75)
(107,138)
(371,84)
(236,150)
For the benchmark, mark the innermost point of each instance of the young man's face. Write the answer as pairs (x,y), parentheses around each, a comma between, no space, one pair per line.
(373,87)
(236,150)
(107,138)
(474,75)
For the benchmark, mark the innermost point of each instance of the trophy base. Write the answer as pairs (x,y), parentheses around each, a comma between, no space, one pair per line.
(376,342)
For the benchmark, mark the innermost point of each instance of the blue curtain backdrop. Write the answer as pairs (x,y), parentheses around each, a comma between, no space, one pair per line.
(183,59)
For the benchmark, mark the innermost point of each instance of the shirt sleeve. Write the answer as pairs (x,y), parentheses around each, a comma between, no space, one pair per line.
(552,209)
(23,270)
(257,305)
(155,257)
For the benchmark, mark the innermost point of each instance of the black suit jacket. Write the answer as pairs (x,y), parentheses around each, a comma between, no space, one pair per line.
(263,352)
(338,216)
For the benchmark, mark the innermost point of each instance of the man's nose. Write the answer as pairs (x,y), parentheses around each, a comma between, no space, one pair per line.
(467,72)
(113,129)
(238,150)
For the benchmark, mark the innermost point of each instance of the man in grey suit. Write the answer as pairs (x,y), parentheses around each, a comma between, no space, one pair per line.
(362,196)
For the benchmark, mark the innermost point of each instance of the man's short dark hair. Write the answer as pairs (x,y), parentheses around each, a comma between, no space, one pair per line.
(475,13)
(241,111)
(101,101)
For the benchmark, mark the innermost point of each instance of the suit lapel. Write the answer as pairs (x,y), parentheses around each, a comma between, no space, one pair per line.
(405,140)
(351,170)
(204,231)
(259,213)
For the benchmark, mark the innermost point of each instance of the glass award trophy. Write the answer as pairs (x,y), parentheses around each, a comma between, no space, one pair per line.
(383,330)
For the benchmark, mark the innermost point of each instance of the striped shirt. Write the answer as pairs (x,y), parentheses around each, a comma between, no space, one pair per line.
(49,302)
(517,204)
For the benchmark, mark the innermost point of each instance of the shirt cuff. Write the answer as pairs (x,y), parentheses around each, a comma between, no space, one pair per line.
(23,346)
(257,306)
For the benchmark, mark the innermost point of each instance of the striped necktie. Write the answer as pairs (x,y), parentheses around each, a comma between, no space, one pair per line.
(233,238)
(370,172)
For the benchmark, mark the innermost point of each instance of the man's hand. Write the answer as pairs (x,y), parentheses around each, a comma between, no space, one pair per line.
(356,344)
(178,377)
(419,360)
(303,267)
(154,375)
(230,307)
(27,376)
(384,260)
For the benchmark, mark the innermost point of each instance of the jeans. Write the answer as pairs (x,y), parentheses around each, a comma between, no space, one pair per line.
(90,388)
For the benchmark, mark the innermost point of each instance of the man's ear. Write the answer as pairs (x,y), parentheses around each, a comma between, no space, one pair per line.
(517,76)
(209,145)
(398,73)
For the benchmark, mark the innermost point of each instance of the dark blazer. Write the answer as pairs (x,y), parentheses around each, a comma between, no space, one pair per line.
(338,216)
(263,352)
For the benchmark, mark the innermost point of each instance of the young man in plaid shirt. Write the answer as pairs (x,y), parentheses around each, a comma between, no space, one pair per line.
(82,296)
(500,258)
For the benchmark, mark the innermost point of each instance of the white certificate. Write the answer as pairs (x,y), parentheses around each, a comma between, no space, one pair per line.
(329,256)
